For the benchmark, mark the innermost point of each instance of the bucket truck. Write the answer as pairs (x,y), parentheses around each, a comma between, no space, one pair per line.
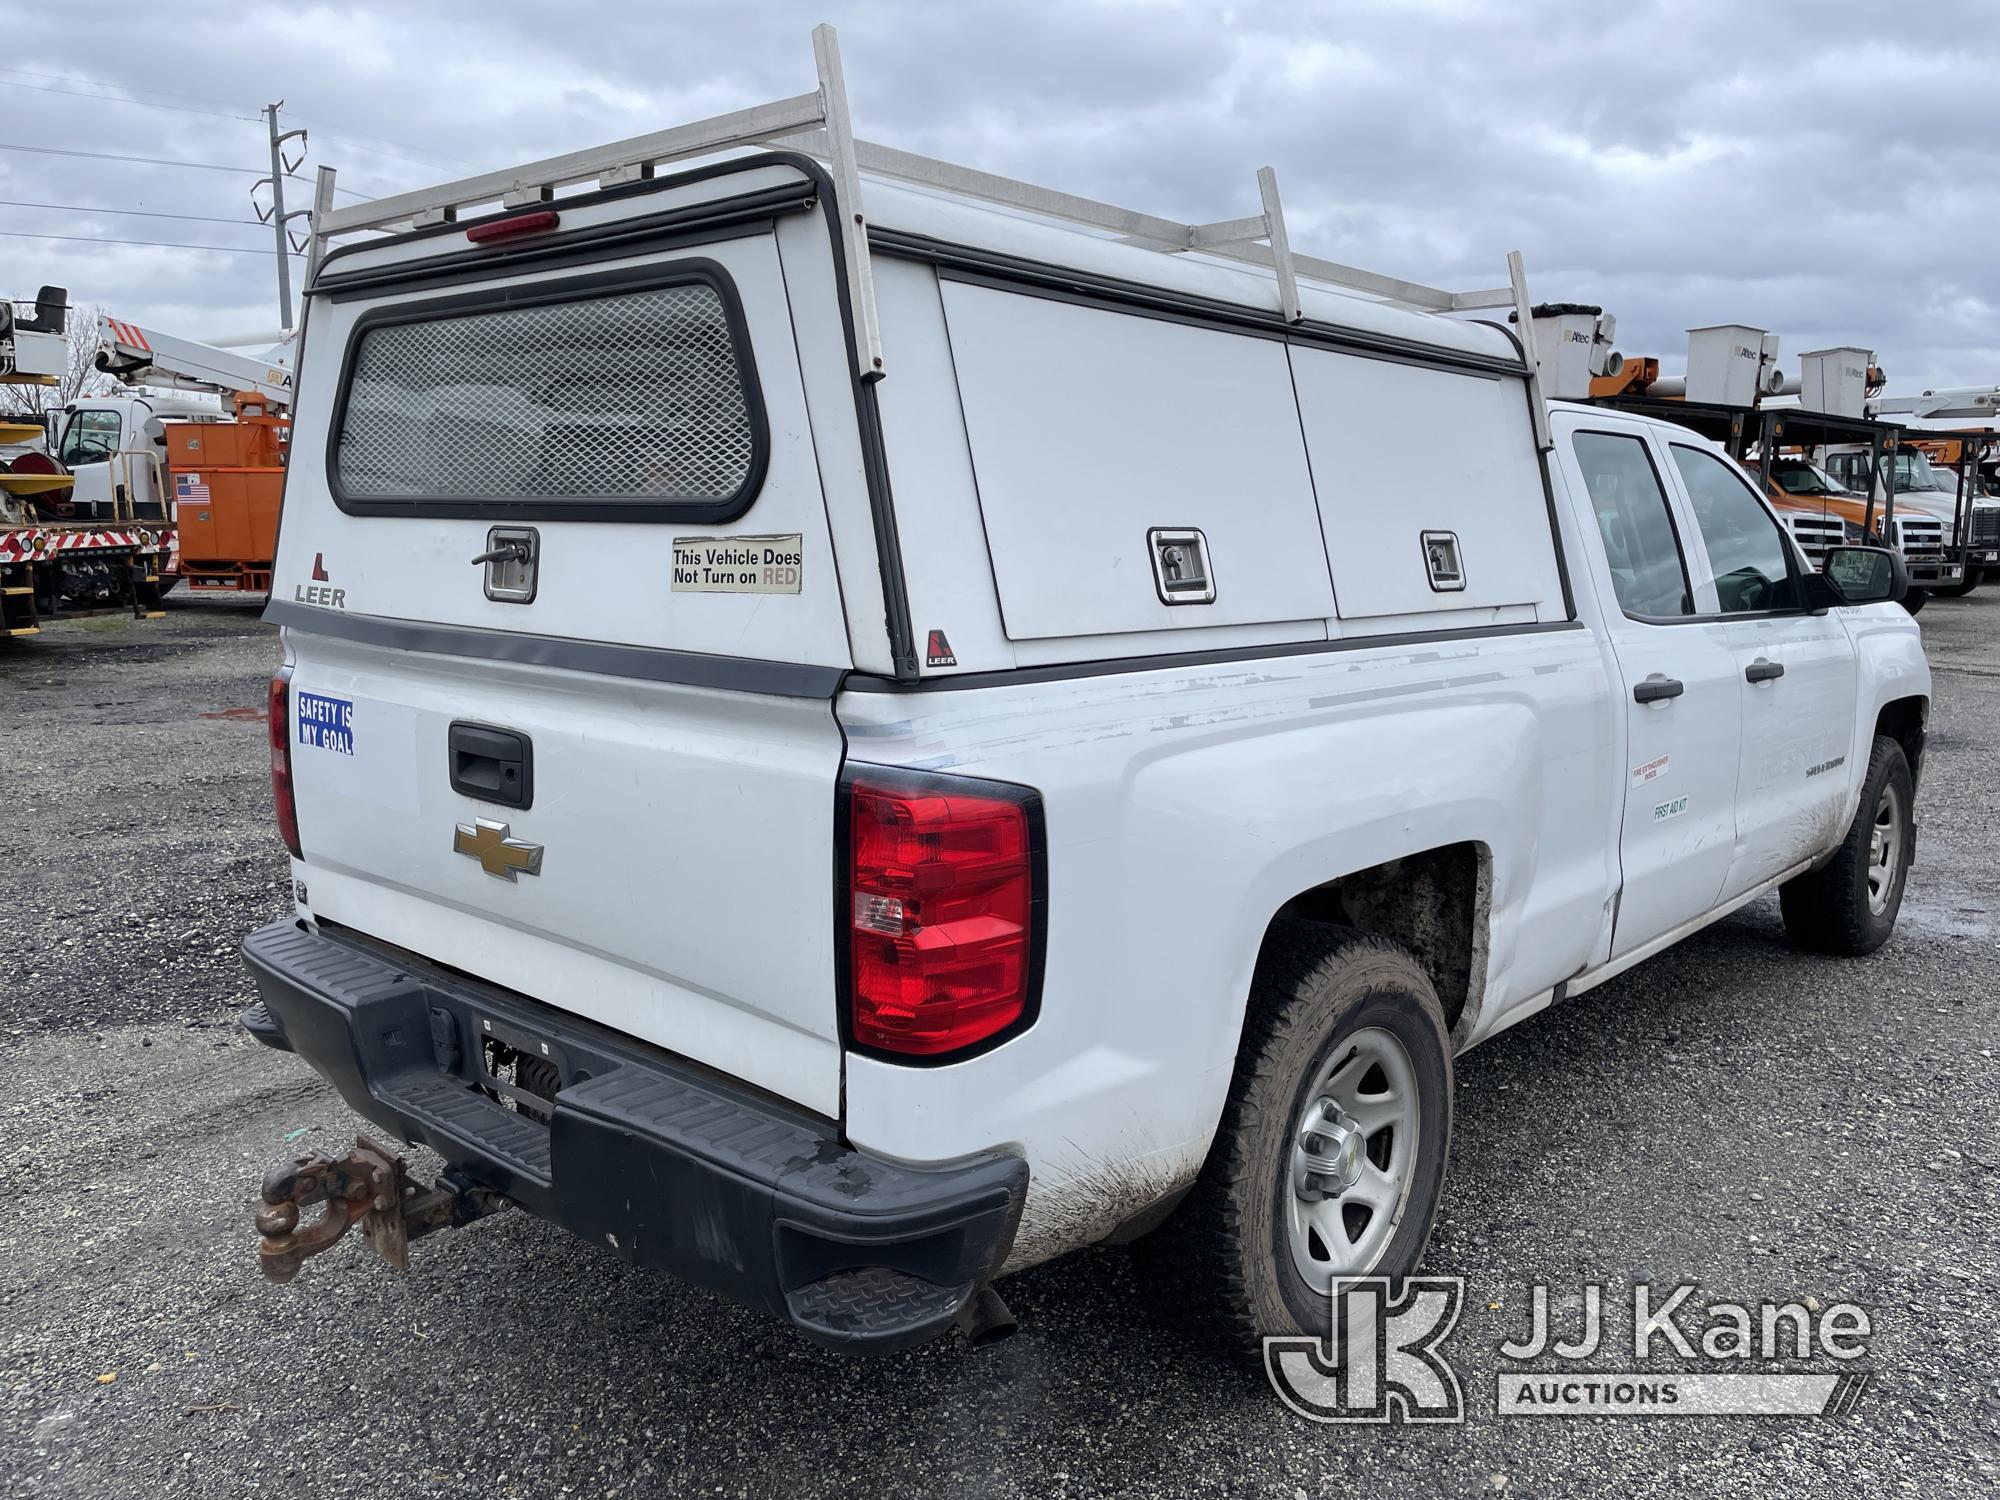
(53,558)
(197,440)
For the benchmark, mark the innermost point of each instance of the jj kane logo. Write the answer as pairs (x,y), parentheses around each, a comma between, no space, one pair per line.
(1384,1361)
(1381,1360)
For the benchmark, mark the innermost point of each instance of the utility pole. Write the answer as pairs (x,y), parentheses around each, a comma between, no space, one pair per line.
(277,218)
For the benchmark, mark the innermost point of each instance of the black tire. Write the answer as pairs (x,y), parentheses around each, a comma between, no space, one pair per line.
(1224,1261)
(1972,579)
(1830,910)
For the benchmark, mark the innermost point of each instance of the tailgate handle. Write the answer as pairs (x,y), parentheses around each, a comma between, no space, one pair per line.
(492,765)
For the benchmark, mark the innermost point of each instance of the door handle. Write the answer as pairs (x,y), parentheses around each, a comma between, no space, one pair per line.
(1657,688)
(491,764)
(1763,670)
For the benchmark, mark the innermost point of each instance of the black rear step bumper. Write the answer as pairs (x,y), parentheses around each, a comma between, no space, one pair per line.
(663,1163)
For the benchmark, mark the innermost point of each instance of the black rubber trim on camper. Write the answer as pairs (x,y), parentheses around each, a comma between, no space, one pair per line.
(902,778)
(1544,457)
(606,507)
(1115,666)
(667,1164)
(782,679)
(1062,283)
(671,229)
(875,469)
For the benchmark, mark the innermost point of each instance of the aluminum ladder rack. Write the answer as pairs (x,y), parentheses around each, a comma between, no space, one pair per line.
(819,124)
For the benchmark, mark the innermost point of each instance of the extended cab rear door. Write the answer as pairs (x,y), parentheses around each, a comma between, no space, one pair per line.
(564,618)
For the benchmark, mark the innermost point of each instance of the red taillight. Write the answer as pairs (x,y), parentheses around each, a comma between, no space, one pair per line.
(278,726)
(943,903)
(538,222)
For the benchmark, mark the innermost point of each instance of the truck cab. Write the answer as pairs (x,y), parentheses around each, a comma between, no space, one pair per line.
(116,447)
(1926,510)
(1817,510)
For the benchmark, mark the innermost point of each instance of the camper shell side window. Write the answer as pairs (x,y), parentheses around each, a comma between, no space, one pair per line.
(623,395)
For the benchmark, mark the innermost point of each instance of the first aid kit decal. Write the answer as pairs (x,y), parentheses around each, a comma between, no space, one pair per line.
(738,564)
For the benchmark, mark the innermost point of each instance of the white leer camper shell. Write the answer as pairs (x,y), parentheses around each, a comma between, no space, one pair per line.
(609,563)
(1031,438)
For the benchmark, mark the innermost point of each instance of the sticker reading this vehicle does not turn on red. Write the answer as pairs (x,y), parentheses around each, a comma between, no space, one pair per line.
(737,564)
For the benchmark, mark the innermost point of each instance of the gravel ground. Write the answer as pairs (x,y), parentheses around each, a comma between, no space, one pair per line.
(1730,1114)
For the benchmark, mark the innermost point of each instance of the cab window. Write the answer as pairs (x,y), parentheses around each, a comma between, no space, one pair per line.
(1638,529)
(1746,550)
(90,438)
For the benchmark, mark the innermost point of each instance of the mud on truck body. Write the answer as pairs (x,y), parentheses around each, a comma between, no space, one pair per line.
(849,726)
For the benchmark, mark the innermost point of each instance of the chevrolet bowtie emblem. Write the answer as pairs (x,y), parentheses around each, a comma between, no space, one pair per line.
(499,856)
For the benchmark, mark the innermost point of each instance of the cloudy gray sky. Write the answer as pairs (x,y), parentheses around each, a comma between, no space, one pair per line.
(1824,170)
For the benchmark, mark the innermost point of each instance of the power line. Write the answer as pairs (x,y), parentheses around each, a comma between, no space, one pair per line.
(94,239)
(135,213)
(161,161)
(157,93)
(384,148)
(149,161)
(186,109)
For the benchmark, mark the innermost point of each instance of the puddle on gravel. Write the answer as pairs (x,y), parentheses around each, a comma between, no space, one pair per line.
(1948,918)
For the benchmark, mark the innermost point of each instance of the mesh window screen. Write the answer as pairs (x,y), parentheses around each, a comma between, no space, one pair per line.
(638,395)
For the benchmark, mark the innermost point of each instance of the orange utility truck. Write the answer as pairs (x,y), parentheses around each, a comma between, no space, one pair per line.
(219,472)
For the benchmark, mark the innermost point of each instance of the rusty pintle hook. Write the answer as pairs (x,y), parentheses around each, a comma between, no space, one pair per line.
(367,1180)
(368,1188)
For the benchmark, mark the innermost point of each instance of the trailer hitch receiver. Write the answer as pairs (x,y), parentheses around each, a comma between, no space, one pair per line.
(369,1187)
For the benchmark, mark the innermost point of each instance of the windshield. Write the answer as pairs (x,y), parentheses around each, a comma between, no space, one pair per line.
(1914,472)
(1797,477)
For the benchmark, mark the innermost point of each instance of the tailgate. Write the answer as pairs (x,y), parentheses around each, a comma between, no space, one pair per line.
(598,770)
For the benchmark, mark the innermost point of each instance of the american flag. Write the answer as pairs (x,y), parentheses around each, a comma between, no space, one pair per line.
(188,488)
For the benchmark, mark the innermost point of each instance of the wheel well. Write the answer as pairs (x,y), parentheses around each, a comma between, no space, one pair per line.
(1434,903)
(1903,722)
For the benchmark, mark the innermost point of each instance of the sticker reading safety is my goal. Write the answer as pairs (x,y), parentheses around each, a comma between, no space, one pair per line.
(326,722)
(737,564)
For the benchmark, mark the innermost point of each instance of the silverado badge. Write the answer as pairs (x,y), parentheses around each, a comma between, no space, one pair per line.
(499,856)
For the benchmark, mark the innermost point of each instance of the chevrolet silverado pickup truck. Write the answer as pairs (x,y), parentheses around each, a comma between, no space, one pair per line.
(845,730)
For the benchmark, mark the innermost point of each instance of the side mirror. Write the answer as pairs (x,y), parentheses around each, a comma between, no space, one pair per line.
(1866,575)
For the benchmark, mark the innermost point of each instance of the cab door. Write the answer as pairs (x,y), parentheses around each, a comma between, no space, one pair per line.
(1797,674)
(91,440)
(1677,674)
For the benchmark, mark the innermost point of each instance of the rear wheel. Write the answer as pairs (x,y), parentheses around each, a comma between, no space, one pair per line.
(1848,906)
(1329,1162)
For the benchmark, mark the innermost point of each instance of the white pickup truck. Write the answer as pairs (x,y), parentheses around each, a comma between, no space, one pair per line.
(842,839)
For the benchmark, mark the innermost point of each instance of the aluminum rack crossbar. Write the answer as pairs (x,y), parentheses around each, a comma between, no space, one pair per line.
(820,125)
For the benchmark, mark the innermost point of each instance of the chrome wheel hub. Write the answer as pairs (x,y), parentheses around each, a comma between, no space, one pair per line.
(1329,1154)
(1353,1159)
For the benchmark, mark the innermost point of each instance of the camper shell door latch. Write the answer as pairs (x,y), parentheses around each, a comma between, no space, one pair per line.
(369,1187)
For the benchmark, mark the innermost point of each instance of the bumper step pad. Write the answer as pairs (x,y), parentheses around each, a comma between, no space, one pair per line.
(665,1164)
